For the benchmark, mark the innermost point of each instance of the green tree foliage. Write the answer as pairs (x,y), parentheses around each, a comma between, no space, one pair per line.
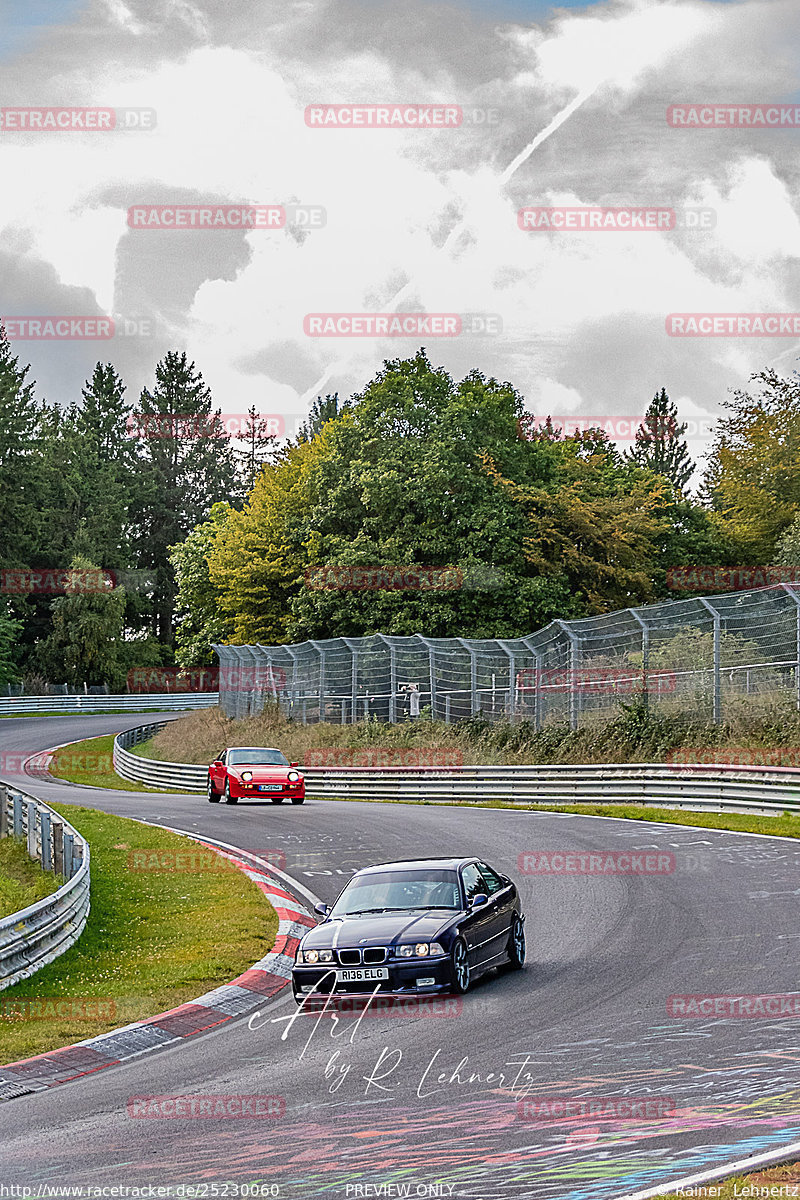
(787,553)
(257,558)
(660,443)
(9,633)
(612,527)
(321,411)
(86,641)
(197,605)
(20,464)
(258,449)
(753,480)
(186,466)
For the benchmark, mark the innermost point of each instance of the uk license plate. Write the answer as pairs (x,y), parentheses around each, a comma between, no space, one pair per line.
(359,974)
(270,787)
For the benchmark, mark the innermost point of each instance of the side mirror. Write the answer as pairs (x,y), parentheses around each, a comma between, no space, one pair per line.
(322,909)
(481,898)
(294,764)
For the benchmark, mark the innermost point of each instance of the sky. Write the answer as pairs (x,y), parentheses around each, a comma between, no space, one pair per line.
(561,106)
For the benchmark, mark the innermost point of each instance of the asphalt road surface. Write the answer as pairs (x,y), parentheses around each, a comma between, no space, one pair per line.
(441,1105)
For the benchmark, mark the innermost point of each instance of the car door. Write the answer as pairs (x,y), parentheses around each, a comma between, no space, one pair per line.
(217,769)
(478,925)
(501,899)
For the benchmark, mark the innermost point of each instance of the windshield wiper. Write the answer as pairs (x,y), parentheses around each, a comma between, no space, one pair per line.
(361,911)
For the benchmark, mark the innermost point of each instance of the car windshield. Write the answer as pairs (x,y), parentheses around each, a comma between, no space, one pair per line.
(396,891)
(257,758)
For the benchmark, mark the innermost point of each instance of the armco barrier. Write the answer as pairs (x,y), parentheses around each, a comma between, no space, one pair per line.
(36,935)
(183,776)
(715,786)
(144,702)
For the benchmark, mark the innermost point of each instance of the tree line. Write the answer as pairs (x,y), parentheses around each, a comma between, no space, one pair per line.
(206,540)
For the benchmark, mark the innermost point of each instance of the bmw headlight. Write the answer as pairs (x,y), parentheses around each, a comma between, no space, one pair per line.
(293,776)
(317,956)
(247,776)
(419,950)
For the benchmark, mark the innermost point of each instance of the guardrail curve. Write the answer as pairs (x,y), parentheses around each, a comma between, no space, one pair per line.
(34,936)
(696,785)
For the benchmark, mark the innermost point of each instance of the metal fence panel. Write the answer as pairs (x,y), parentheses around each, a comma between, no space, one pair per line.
(709,656)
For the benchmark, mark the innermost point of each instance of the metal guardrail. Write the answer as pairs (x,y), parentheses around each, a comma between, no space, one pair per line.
(698,785)
(140,702)
(36,935)
(182,776)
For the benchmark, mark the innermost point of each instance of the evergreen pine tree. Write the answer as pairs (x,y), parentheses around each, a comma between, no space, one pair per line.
(20,465)
(660,444)
(186,465)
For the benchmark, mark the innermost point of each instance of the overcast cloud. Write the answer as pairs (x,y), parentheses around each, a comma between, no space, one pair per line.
(423,220)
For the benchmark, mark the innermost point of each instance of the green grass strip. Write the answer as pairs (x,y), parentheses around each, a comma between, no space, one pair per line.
(22,880)
(154,939)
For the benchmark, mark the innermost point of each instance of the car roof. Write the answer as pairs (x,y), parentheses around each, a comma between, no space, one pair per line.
(451,864)
(272,749)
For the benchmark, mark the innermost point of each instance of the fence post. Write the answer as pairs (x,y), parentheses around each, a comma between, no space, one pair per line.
(645,649)
(321,654)
(353,680)
(717,677)
(512,671)
(537,684)
(431,671)
(474,704)
(574,650)
(791,592)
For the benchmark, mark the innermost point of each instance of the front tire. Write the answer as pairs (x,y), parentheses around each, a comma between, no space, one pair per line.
(213,797)
(276,799)
(298,799)
(229,799)
(516,944)
(459,968)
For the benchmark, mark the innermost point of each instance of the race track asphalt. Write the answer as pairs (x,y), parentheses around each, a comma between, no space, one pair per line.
(431,1103)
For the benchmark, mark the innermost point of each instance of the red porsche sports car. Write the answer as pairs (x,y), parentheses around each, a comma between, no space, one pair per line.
(252,772)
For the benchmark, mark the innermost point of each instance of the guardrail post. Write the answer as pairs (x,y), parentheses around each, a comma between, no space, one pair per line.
(791,592)
(30,827)
(17,816)
(58,848)
(3,810)
(69,854)
(717,674)
(47,840)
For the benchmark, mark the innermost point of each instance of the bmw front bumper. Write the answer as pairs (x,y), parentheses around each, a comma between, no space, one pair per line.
(420,975)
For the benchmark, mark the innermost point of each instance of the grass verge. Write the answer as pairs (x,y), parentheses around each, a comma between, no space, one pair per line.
(636,733)
(22,881)
(154,938)
(92,762)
